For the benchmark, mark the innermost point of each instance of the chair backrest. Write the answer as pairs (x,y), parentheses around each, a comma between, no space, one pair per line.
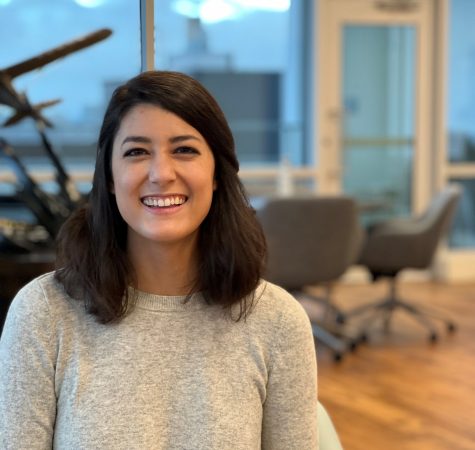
(310,240)
(441,211)
(412,243)
(438,218)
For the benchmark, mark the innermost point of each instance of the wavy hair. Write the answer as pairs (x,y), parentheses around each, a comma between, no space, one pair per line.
(92,262)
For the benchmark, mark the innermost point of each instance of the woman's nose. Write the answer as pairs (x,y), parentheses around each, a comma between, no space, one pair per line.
(162,169)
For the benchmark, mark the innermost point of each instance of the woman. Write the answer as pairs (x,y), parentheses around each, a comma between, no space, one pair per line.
(156,330)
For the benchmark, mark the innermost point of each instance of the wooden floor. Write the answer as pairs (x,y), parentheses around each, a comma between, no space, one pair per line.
(399,391)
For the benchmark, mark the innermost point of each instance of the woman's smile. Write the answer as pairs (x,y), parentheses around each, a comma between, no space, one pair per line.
(163,201)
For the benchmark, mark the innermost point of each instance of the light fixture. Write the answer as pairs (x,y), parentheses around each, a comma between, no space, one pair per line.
(187,8)
(210,11)
(267,5)
(90,3)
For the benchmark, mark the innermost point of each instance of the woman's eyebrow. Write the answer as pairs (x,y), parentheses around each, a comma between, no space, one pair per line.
(172,140)
(141,139)
(183,137)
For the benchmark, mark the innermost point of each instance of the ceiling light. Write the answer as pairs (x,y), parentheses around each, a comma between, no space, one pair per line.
(90,3)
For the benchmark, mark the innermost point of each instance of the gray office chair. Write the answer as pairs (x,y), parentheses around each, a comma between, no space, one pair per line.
(328,436)
(408,243)
(312,241)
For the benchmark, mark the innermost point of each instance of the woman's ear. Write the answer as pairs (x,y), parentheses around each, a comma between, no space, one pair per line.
(215,184)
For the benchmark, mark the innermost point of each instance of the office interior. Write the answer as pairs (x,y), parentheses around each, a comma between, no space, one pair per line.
(371,99)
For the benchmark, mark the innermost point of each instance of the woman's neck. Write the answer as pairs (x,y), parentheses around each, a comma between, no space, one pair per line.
(164,269)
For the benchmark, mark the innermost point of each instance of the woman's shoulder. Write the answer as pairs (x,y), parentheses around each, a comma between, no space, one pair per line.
(44,285)
(278,321)
(42,297)
(275,303)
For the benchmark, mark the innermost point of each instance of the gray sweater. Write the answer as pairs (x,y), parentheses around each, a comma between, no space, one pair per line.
(170,375)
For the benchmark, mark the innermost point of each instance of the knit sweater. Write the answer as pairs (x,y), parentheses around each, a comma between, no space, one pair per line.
(171,375)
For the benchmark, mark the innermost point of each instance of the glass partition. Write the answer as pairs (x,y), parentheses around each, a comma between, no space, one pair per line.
(463,230)
(461,75)
(250,55)
(378,121)
(461,116)
(81,82)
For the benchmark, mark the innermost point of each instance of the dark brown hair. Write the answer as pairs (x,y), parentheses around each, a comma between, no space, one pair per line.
(92,263)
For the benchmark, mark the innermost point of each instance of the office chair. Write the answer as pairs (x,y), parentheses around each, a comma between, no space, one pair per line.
(312,241)
(406,243)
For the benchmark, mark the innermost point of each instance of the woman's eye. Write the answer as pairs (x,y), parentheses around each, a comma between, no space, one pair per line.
(186,150)
(134,152)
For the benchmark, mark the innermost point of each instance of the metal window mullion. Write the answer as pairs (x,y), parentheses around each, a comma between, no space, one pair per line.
(147,41)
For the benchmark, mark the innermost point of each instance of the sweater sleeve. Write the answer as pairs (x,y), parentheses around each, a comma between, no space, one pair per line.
(290,408)
(27,367)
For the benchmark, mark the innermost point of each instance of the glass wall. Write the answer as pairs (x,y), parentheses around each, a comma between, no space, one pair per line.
(463,234)
(461,115)
(250,55)
(81,82)
(378,82)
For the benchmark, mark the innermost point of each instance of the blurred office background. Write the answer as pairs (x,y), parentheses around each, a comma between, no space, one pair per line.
(371,98)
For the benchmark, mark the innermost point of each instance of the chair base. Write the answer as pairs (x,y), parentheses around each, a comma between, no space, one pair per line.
(337,342)
(329,335)
(384,310)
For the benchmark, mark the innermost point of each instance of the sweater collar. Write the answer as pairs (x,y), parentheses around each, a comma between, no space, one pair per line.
(154,302)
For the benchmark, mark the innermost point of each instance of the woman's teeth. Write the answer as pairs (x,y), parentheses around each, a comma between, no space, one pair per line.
(163,202)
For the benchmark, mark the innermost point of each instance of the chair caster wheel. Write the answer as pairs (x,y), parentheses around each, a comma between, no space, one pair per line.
(433,337)
(451,327)
(363,338)
(337,356)
(340,319)
(353,345)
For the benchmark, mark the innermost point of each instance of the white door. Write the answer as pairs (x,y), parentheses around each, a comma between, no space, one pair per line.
(374,103)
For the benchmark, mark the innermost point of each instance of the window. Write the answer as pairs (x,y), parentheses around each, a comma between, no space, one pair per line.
(461,117)
(83,81)
(250,55)
(253,56)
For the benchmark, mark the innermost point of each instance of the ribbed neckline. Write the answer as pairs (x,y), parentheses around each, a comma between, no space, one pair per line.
(154,302)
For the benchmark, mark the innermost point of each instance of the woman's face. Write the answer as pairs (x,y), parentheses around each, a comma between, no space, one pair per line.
(163,177)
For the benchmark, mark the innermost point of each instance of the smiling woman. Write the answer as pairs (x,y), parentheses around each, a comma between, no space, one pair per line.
(141,141)
(156,331)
